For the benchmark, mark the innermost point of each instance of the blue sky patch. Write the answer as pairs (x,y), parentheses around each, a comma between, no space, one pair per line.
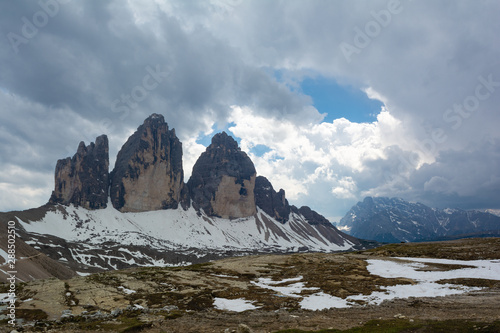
(207,139)
(339,101)
(260,150)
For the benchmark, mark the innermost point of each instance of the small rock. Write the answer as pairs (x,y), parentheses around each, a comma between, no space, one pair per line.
(242,328)
(66,314)
(170,308)
(116,312)
(98,315)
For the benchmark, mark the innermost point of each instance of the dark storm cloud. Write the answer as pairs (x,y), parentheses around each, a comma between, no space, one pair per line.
(469,178)
(71,71)
(93,67)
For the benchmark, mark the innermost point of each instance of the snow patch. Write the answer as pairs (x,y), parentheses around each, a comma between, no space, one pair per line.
(126,290)
(5,298)
(290,290)
(412,268)
(4,255)
(180,230)
(235,305)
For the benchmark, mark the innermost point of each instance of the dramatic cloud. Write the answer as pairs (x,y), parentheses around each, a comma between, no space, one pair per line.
(72,70)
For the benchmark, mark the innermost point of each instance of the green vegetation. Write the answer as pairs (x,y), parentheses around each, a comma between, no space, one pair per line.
(108,279)
(31,314)
(174,315)
(128,322)
(402,325)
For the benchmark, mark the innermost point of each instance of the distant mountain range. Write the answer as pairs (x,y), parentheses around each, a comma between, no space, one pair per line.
(396,220)
(142,213)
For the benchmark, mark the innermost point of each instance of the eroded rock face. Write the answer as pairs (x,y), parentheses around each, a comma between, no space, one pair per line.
(148,174)
(312,217)
(83,179)
(223,180)
(272,202)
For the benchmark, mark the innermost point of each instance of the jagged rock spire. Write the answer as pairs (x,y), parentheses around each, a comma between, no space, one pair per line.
(272,202)
(223,180)
(148,173)
(83,179)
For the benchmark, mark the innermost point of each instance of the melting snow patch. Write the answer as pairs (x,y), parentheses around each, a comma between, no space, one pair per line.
(236,305)
(224,276)
(412,268)
(4,298)
(320,301)
(126,291)
(291,290)
(3,255)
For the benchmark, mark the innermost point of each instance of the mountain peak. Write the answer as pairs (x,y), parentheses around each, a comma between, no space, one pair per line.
(148,173)
(223,180)
(155,117)
(272,202)
(83,179)
(224,140)
(394,219)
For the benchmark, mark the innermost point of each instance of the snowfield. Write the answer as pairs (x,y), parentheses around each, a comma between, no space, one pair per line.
(412,268)
(109,239)
(415,269)
(177,228)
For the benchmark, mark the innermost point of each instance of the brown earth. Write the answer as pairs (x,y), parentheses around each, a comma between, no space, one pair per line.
(181,299)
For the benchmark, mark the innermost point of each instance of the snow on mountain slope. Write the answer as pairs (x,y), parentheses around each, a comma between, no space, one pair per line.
(393,220)
(181,229)
(108,239)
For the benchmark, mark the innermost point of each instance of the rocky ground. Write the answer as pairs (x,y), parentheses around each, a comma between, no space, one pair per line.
(184,299)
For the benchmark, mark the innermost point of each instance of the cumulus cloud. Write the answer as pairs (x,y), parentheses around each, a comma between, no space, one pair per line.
(320,163)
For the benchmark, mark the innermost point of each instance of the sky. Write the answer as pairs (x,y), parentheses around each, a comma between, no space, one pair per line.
(332,100)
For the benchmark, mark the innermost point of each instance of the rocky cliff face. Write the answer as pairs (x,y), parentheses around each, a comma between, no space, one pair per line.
(312,217)
(272,202)
(83,179)
(223,180)
(148,174)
